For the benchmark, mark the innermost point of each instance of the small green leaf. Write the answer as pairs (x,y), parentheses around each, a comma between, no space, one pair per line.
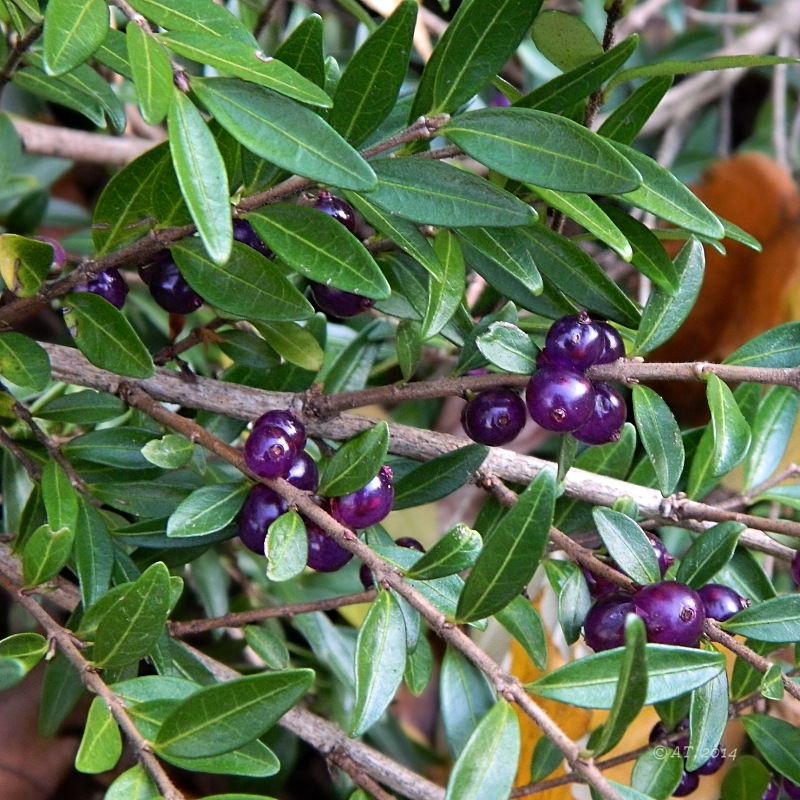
(628,545)
(521,619)
(455,551)
(507,347)
(778,742)
(775,620)
(545,760)
(58,90)
(296,344)
(446,292)
(24,263)
(26,648)
(152,74)
(115,447)
(93,552)
(84,407)
(269,646)
(73,30)
(564,39)
(59,496)
(45,553)
(731,430)
(207,509)
(409,347)
(708,554)
(779,347)
(302,50)
(419,667)
(573,604)
(101,745)
(708,717)
(745,780)
(657,773)
(661,437)
(24,361)
(170,452)
(356,462)
(771,685)
(286,547)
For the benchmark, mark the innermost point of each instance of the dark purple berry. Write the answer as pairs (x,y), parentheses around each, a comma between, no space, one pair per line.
(714,764)
(243,232)
(269,452)
(665,559)
(574,341)
(673,613)
(790,788)
(59,253)
(368,505)
(494,416)
(337,302)
(604,626)
(288,423)
(613,346)
(365,576)
(659,732)
(410,542)
(771,792)
(109,285)
(303,473)
(598,585)
(607,419)
(324,553)
(169,288)
(337,208)
(721,602)
(260,509)
(559,399)
(689,782)
(796,568)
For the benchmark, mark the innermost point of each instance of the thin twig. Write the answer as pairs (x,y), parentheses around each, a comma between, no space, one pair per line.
(28,464)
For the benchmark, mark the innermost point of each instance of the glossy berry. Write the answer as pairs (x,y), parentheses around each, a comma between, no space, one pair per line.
(665,559)
(796,568)
(410,542)
(559,399)
(169,288)
(269,452)
(721,602)
(337,302)
(790,789)
(260,509)
(324,553)
(608,417)
(598,585)
(109,285)
(604,626)
(303,473)
(771,792)
(613,346)
(368,505)
(494,416)
(673,613)
(714,764)
(688,783)
(337,208)
(574,341)
(243,232)
(365,573)
(288,423)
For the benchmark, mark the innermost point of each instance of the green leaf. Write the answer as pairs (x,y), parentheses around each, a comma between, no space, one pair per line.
(521,619)
(30,8)
(380,661)
(46,551)
(195,16)
(105,337)
(57,90)
(779,347)
(708,717)
(543,149)
(24,263)
(101,745)
(169,452)
(628,545)
(73,30)
(747,779)
(778,742)
(708,554)
(356,462)
(152,74)
(134,784)
(254,760)
(319,247)
(486,768)
(445,292)
(657,773)
(93,552)
(294,343)
(564,39)
(287,134)
(62,687)
(457,550)
(368,89)
(665,312)
(286,547)
(771,685)
(59,496)
(419,667)
(432,480)
(24,361)
(474,47)
(510,556)
(509,348)
(302,50)
(201,176)
(629,117)
(132,625)
(26,648)
(11,673)
(221,718)
(242,60)
(84,407)
(731,430)
(207,509)
(545,760)
(573,603)
(661,437)
(116,447)
(409,347)
(775,620)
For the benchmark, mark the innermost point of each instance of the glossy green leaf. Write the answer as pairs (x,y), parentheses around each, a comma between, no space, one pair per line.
(457,550)
(254,760)
(295,343)
(665,312)
(779,347)
(747,779)
(708,554)
(486,768)
(521,619)
(24,263)
(380,661)
(101,745)
(269,646)
(46,551)
(195,16)
(133,623)
(116,447)
(708,717)
(660,435)
(731,430)
(105,337)
(169,452)
(286,547)
(628,545)
(565,39)
(771,685)
(26,648)
(133,784)
(73,30)
(446,293)
(507,347)
(207,509)
(302,50)
(34,80)
(94,553)
(59,496)
(201,176)
(368,89)
(545,760)
(657,773)
(629,117)
(591,681)
(84,407)
(319,247)
(543,149)
(573,603)
(510,556)
(409,347)
(30,8)
(152,74)
(356,462)
(419,667)
(62,687)
(243,61)
(113,53)
(287,134)
(435,479)
(775,620)
(772,427)
(778,742)
(23,361)
(221,718)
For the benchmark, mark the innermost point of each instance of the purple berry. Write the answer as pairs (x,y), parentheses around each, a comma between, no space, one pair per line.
(365,576)
(790,788)
(673,613)
(288,423)
(607,419)
(598,585)
(109,285)
(269,452)
(337,208)
(659,732)
(689,782)
(169,288)
(796,568)
(721,602)
(494,416)
(714,764)
(59,253)
(604,626)
(368,505)
(243,232)
(574,341)
(613,346)
(665,559)
(559,399)
(771,792)
(260,509)
(324,553)
(337,302)
(410,542)
(303,473)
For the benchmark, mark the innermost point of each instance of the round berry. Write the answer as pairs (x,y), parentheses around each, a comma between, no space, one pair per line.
(494,416)
(790,789)
(607,419)
(410,542)
(337,208)
(303,473)
(598,585)
(688,783)
(714,764)
(365,576)
(721,602)
(169,288)
(796,568)
(604,626)
(613,346)
(673,613)
(109,285)
(665,559)
(337,302)
(288,423)
(260,509)
(324,553)
(243,232)
(771,792)
(559,399)
(574,341)
(659,732)
(269,452)
(368,505)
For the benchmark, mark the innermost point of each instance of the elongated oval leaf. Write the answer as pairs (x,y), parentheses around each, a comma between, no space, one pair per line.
(455,551)
(778,741)
(24,263)
(445,293)
(286,547)
(27,648)
(46,552)
(564,39)
(207,509)
(731,429)
(657,773)
(152,74)
(779,347)
(628,545)
(629,117)
(302,50)
(195,16)
(23,361)
(521,619)
(356,462)
(661,437)
(101,745)
(708,717)
(708,554)
(509,348)
(59,496)
(775,620)
(73,30)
